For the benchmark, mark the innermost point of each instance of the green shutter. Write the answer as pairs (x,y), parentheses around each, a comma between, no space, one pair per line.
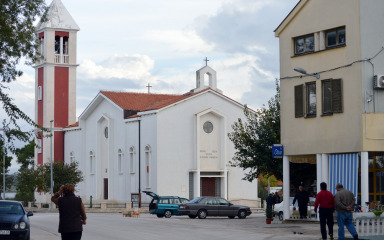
(299,103)
(337,96)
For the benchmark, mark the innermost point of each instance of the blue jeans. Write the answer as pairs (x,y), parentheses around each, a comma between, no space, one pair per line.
(345,219)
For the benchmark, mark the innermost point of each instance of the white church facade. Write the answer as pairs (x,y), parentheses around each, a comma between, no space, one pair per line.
(126,143)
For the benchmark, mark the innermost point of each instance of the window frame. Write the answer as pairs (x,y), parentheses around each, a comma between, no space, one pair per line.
(336,30)
(92,162)
(120,157)
(304,38)
(307,100)
(132,157)
(336,96)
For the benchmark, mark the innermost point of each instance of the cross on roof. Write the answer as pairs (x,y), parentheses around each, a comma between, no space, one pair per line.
(148,86)
(206,61)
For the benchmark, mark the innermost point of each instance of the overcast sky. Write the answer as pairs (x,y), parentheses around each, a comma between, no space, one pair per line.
(125,44)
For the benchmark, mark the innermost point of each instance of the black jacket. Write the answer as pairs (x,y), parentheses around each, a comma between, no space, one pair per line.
(301,197)
(70,214)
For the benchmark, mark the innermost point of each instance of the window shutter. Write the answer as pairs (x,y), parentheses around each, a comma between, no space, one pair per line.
(337,96)
(299,103)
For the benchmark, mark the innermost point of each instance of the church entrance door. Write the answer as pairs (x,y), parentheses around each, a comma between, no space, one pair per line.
(208,186)
(106,188)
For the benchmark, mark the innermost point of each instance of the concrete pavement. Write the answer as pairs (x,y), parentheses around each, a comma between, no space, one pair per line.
(102,226)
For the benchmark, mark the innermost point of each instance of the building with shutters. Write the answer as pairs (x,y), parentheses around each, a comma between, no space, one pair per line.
(128,142)
(332,113)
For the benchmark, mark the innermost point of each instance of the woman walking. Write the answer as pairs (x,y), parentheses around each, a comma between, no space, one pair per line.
(72,213)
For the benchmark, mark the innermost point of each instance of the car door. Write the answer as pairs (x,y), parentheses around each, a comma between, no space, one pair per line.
(225,208)
(212,207)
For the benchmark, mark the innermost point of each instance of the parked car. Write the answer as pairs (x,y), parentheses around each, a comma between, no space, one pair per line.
(164,206)
(279,208)
(14,221)
(202,207)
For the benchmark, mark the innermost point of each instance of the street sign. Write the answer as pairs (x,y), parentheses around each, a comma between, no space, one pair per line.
(277,151)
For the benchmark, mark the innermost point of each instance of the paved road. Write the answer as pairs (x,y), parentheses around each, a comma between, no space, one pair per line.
(110,226)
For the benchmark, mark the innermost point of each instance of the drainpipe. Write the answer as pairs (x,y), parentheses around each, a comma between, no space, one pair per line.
(139,166)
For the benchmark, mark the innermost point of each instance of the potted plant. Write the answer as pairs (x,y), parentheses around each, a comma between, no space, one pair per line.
(269,215)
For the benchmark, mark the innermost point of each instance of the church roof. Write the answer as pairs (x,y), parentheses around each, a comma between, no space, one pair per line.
(58,17)
(141,101)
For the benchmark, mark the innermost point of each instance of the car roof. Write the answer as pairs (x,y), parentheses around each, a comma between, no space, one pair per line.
(10,201)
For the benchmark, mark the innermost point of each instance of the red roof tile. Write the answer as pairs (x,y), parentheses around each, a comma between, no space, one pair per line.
(73,125)
(139,102)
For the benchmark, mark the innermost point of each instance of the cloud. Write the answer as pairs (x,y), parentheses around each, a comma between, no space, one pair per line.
(135,67)
(186,41)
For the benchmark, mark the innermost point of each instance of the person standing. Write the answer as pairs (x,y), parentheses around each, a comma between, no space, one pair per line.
(326,204)
(270,201)
(72,215)
(345,203)
(302,198)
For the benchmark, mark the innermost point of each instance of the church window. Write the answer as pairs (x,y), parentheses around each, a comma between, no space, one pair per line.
(119,161)
(40,93)
(132,156)
(65,45)
(57,45)
(208,127)
(72,158)
(148,165)
(38,146)
(91,163)
(106,132)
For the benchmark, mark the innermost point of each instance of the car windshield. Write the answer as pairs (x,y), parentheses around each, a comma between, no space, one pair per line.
(11,208)
(196,200)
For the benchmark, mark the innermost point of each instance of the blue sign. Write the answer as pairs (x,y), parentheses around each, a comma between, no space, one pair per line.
(277,151)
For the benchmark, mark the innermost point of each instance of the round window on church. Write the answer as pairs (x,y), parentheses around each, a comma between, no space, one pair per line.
(106,132)
(208,127)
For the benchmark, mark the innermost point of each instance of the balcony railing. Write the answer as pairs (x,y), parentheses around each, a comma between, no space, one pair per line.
(61,58)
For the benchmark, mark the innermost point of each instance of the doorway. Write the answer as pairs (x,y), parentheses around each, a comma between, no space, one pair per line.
(208,186)
(106,188)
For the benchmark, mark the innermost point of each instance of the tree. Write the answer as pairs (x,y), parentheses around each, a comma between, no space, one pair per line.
(62,174)
(39,178)
(253,141)
(17,40)
(25,155)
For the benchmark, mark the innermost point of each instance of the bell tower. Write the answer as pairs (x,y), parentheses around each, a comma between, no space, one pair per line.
(55,80)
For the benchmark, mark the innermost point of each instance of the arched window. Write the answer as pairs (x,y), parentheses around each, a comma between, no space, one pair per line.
(92,162)
(148,165)
(120,161)
(132,156)
(72,158)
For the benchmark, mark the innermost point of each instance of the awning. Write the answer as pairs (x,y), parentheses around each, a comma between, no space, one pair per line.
(303,159)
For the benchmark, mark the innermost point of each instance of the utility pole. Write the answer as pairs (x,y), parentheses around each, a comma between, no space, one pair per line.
(50,125)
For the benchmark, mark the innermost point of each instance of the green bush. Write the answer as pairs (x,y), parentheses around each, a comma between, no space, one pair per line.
(269,213)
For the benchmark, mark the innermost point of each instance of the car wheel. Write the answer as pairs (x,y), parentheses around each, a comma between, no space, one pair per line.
(168,213)
(281,216)
(242,214)
(202,214)
(231,217)
(160,215)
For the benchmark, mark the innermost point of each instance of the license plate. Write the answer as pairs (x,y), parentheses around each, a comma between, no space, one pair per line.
(5,232)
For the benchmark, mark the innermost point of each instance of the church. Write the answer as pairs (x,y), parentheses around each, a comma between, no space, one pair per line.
(128,142)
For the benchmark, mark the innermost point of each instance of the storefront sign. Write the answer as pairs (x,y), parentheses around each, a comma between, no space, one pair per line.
(277,151)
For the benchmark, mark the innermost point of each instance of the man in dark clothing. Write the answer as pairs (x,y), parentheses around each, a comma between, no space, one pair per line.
(302,198)
(270,201)
(327,206)
(276,197)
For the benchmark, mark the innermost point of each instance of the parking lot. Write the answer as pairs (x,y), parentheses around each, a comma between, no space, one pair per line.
(101,226)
